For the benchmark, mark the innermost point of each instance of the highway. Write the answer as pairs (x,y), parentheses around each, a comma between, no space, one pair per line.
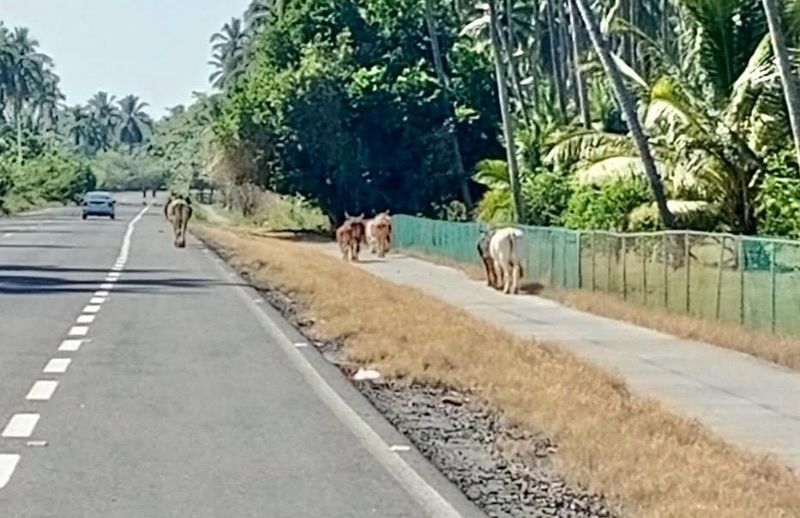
(141,380)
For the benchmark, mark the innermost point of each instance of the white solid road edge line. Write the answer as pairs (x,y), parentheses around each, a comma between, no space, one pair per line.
(21,425)
(436,505)
(8,463)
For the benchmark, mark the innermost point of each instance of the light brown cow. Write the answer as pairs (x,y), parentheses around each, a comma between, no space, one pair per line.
(178,211)
(350,235)
(379,233)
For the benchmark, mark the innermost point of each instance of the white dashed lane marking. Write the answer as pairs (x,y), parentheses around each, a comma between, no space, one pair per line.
(42,390)
(8,234)
(21,425)
(70,345)
(8,463)
(57,366)
(79,331)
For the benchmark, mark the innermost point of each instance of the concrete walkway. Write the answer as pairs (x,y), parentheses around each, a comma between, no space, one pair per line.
(741,398)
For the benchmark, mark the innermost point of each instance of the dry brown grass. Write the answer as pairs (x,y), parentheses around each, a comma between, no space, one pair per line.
(783,350)
(640,456)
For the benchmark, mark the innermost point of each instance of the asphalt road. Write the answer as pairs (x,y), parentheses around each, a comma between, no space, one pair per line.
(140,380)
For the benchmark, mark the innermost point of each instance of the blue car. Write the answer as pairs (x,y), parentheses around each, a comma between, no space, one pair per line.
(97,203)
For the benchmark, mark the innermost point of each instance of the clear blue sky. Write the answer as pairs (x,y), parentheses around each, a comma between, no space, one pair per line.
(156,49)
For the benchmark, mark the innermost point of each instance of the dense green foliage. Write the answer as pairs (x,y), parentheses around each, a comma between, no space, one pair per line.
(343,103)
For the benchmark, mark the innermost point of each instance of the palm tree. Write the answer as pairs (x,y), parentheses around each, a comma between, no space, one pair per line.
(784,67)
(628,109)
(507,117)
(105,118)
(134,123)
(229,46)
(24,74)
(78,128)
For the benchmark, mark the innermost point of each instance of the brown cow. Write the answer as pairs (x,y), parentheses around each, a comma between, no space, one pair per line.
(350,235)
(379,233)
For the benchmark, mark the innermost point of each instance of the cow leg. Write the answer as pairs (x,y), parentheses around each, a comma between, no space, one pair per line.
(506,278)
(515,279)
(488,265)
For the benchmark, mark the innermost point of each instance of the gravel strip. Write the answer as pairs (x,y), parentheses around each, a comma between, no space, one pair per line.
(508,472)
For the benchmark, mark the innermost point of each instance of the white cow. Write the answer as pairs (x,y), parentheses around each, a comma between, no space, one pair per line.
(504,250)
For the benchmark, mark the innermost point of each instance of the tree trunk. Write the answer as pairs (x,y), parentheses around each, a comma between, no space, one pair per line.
(18,116)
(785,68)
(505,113)
(629,111)
(444,83)
(580,84)
(554,60)
(516,84)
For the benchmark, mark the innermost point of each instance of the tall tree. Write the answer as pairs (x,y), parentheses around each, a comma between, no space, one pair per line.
(507,116)
(628,109)
(134,123)
(444,84)
(772,11)
(229,51)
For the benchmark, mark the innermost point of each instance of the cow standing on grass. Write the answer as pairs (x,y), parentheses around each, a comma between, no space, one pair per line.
(504,248)
(350,236)
(379,233)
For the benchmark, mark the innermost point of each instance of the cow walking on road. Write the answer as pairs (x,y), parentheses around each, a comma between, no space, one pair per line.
(178,211)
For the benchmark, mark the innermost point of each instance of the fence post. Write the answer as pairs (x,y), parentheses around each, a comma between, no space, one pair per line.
(719,277)
(687,258)
(563,258)
(644,276)
(773,299)
(594,270)
(665,256)
(552,258)
(624,268)
(609,254)
(579,235)
(742,260)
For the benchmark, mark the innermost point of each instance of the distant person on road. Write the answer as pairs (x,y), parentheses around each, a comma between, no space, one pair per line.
(144,195)
(154,192)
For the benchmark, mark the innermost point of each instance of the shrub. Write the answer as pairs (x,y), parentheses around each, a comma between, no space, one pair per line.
(778,207)
(605,207)
(56,176)
(546,194)
(690,215)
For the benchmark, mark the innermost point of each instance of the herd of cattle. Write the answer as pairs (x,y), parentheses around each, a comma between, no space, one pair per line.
(498,248)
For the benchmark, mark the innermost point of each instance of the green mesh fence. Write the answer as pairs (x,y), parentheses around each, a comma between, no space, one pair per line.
(750,281)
